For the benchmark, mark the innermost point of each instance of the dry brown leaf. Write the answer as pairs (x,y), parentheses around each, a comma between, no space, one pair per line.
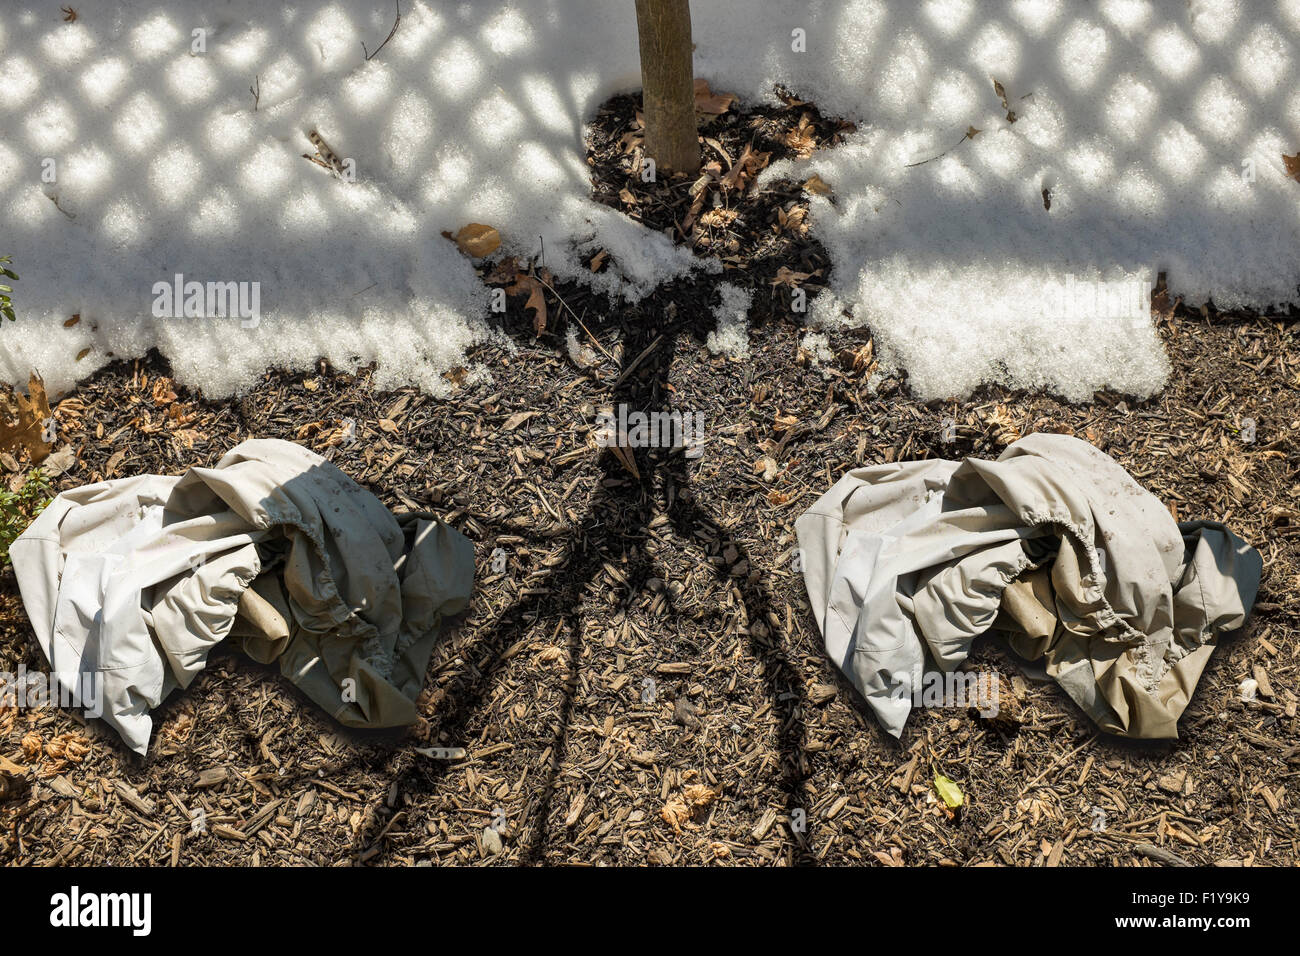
(70,747)
(706,101)
(179,414)
(803,138)
(675,813)
(1162,307)
(22,420)
(699,797)
(179,727)
(32,745)
(745,169)
(694,801)
(1292,166)
(817,186)
(1001,92)
(536,300)
(162,391)
(718,218)
(788,277)
(507,270)
(793,221)
(1003,424)
(477,240)
(631,140)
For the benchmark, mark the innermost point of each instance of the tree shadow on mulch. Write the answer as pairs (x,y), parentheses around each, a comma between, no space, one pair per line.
(764,232)
(621,511)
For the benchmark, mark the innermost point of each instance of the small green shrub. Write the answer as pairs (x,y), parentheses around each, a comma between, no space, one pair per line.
(19,508)
(7,307)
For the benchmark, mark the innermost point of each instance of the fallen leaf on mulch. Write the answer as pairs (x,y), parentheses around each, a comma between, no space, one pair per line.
(32,745)
(22,420)
(802,139)
(794,221)
(706,101)
(1161,305)
(788,277)
(746,169)
(66,748)
(162,391)
(690,805)
(948,791)
(526,284)
(519,282)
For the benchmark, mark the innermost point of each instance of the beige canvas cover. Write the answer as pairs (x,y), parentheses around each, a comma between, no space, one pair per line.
(1052,543)
(136,579)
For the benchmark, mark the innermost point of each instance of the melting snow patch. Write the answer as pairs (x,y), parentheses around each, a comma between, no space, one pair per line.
(1147,137)
(732,335)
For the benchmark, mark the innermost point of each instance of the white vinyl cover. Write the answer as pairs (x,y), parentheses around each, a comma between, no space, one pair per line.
(1055,545)
(136,579)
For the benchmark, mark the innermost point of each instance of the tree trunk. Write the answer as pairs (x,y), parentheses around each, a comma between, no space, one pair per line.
(668,82)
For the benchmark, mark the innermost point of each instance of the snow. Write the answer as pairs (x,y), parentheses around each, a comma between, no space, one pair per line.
(731,338)
(1156,126)
(818,347)
(1137,117)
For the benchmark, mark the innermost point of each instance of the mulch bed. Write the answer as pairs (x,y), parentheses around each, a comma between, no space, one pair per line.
(643,681)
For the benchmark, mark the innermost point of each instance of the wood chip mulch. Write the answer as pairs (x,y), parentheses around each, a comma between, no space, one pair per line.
(640,679)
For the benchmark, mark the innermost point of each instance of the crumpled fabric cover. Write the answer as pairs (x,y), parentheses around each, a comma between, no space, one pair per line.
(136,579)
(1053,544)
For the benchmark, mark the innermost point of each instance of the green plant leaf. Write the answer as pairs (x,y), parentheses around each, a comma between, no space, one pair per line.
(948,791)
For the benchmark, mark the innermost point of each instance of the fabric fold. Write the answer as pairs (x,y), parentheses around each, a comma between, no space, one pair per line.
(135,580)
(1053,544)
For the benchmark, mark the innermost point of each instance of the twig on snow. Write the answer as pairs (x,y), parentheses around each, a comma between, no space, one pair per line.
(971,133)
(369,55)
